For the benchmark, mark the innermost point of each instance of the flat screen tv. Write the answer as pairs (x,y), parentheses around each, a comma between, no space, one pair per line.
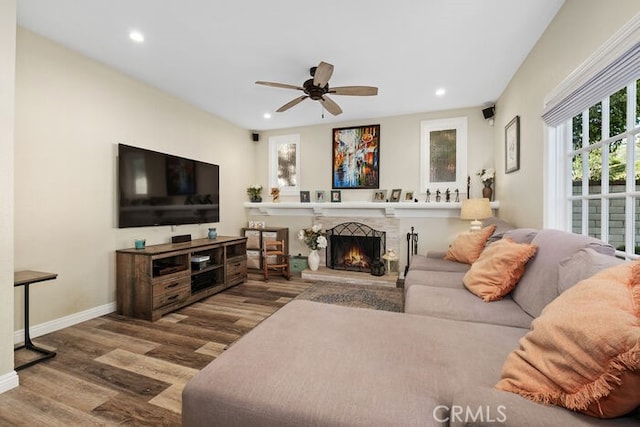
(161,189)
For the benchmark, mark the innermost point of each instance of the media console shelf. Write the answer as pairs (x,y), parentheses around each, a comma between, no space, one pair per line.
(159,279)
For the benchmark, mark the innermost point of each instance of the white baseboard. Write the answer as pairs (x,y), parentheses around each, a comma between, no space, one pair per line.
(9,381)
(64,322)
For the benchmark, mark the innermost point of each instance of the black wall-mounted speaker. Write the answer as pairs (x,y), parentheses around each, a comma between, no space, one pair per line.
(181,238)
(255,136)
(489,112)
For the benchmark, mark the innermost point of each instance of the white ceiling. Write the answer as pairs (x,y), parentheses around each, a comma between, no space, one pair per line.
(210,52)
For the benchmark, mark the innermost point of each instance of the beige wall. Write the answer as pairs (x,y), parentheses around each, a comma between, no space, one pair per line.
(71,112)
(579,28)
(7,92)
(399,168)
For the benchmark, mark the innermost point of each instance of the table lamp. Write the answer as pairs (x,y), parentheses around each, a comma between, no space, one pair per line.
(475,209)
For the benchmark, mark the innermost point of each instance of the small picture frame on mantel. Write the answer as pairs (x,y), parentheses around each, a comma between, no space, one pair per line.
(336,196)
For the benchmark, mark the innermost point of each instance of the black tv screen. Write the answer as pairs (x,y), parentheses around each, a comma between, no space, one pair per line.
(161,189)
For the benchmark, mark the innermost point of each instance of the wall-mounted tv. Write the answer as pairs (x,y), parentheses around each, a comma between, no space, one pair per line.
(161,189)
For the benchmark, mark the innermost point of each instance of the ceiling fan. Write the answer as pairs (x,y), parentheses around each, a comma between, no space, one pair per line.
(317,88)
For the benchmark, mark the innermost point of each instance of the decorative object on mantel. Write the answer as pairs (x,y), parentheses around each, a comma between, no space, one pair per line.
(336,196)
(428,196)
(305,197)
(457,196)
(255,193)
(315,239)
(395,195)
(447,196)
(275,194)
(487,176)
(320,196)
(408,196)
(213,233)
(380,196)
(438,196)
(475,210)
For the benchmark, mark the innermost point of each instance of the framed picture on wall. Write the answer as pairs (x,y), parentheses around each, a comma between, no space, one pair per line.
(356,157)
(512,145)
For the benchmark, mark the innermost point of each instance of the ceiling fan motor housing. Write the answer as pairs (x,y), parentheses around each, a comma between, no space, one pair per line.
(314,92)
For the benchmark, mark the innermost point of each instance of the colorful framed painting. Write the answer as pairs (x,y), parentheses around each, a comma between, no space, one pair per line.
(356,157)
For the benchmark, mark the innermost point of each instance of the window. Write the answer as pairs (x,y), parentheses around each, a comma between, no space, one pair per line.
(603,158)
(284,163)
(443,154)
(592,151)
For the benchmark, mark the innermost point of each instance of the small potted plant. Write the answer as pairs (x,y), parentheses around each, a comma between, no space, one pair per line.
(255,193)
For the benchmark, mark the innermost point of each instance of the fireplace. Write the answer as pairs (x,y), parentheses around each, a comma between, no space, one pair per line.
(354,246)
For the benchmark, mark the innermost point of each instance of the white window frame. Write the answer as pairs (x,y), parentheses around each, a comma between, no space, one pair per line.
(274,143)
(460,124)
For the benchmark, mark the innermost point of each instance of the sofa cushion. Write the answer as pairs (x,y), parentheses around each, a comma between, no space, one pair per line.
(583,352)
(498,269)
(582,265)
(466,248)
(460,304)
(429,263)
(522,235)
(326,365)
(438,279)
(539,285)
(502,227)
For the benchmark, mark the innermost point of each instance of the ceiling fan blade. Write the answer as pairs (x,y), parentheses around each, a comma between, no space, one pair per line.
(290,104)
(354,90)
(330,105)
(323,74)
(281,85)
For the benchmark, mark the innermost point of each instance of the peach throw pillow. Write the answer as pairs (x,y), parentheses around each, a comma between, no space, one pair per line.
(497,271)
(583,352)
(466,248)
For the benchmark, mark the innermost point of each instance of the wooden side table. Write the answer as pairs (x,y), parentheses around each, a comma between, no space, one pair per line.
(26,278)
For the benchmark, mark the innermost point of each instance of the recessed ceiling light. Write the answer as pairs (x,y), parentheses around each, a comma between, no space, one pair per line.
(441,91)
(266,115)
(136,36)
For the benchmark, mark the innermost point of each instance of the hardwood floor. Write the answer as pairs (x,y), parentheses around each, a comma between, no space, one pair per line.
(115,370)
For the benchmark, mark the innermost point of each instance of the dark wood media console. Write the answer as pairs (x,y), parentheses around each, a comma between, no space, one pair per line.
(159,279)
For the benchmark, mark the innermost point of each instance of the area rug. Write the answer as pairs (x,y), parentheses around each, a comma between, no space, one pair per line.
(350,295)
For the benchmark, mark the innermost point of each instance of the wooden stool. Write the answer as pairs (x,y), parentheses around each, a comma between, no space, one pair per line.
(274,258)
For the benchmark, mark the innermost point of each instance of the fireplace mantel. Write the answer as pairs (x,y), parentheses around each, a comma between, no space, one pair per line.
(360,209)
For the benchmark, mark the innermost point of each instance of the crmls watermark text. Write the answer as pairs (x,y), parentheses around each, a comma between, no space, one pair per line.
(465,414)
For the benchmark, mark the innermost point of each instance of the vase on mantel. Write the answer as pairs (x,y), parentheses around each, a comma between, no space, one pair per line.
(313,260)
(256,199)
(487,191)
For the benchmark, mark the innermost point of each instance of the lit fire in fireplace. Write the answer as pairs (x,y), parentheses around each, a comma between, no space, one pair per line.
(355,258)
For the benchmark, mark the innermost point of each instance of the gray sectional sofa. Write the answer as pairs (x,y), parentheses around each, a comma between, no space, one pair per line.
(434,365)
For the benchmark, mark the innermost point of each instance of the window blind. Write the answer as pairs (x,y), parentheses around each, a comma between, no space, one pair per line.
(613,77)
(611,67)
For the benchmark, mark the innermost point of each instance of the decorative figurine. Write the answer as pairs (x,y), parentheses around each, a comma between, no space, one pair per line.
(447,196)
(428,196)
(457,195)
(438,196)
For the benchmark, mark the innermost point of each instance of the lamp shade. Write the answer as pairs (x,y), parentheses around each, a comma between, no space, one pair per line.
(475,209)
